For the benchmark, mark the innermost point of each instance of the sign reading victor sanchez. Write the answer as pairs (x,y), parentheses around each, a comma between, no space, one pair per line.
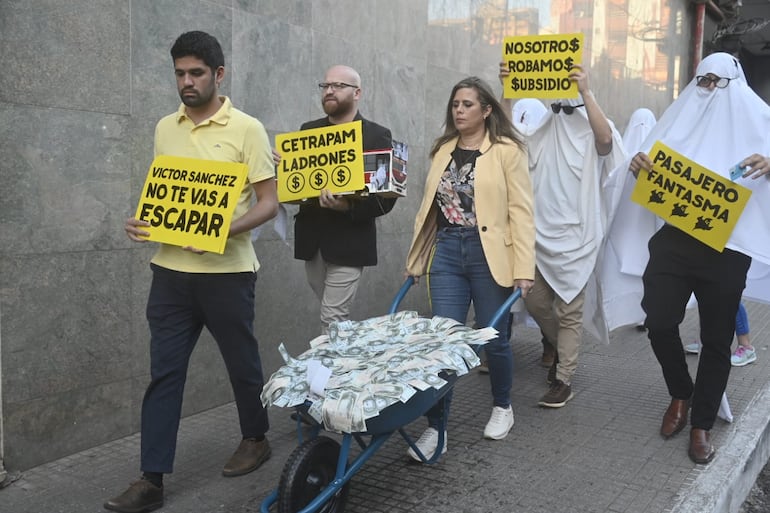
(540,65)
(694,199)
(190,202)
(329,157)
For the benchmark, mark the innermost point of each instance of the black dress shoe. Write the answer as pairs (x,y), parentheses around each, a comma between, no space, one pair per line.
(141,497)
(701,451)
(675,418)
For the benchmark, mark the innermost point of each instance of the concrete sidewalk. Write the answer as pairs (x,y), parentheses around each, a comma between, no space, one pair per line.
(601,453)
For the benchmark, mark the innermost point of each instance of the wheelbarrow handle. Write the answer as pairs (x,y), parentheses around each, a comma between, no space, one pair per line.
(505,307)
(401,293)
(503,310)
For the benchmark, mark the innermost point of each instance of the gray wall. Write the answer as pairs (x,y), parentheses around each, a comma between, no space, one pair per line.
(84,82)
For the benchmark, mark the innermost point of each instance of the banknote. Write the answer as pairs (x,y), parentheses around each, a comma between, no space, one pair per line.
(374,363)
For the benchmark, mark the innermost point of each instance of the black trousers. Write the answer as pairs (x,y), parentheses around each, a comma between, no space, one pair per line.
(179,306)
(680,265)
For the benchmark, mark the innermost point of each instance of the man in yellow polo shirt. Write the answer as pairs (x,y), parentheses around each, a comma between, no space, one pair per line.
(192,288)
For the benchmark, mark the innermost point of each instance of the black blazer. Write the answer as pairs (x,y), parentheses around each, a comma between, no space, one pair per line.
(344,238)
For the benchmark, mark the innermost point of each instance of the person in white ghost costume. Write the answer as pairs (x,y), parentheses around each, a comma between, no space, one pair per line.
(621,264)
(718,122)
(571,154)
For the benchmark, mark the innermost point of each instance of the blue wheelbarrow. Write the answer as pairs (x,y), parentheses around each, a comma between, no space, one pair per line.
(317,473)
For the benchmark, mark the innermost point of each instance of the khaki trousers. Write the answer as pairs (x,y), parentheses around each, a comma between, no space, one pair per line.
(335,286)
(561,323)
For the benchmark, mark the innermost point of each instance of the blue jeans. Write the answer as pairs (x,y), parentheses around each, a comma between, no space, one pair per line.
(741,321)
(458,274)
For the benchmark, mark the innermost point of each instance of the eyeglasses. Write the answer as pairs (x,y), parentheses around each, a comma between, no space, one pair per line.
(568,109)
(706,81)
(336,86)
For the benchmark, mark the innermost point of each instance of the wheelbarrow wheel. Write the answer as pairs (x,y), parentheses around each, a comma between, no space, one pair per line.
(311,467)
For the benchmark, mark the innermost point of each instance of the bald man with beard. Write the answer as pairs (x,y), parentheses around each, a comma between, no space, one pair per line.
(336,235)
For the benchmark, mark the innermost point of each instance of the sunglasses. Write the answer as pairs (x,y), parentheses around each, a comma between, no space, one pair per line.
(568,109)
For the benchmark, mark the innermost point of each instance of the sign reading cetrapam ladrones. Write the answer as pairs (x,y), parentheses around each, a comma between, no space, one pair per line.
(320,158)
(694,199)
(190,202)
(540,65)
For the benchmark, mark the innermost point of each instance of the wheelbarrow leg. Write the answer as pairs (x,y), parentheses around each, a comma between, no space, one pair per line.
(441,438)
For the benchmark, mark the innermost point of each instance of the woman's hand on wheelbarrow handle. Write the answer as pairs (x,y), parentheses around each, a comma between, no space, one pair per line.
(524,285)
(415,279)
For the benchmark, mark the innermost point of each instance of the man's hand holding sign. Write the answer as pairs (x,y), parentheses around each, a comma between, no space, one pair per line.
(754,166)
(188,202)
(327,159)
(539,66)
(696,200)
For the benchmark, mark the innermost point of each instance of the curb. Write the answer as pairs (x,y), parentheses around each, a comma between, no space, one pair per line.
(723,485)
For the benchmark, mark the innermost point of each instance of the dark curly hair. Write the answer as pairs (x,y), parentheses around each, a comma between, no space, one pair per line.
(201,45)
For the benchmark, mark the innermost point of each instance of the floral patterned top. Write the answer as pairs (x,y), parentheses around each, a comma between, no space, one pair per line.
(454,196)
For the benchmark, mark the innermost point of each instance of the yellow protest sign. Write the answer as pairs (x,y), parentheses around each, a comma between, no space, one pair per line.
(687,195)
(329,157)
(190,202)
(540,65)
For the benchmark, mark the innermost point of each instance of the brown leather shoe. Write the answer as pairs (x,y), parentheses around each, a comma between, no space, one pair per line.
(675,418)
(249,455)
(701,451)
(142,496)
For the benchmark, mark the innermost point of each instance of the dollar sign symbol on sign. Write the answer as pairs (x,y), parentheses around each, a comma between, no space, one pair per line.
(568,62)
(295,182)
(515,84)
(319,180)
(574,44)
(340,176)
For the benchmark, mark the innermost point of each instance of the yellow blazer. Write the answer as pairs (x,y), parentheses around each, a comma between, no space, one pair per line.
(504,205)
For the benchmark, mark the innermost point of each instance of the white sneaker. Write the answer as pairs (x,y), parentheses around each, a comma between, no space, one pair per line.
(743,356)
(500,423)
(693,348)
(427,444)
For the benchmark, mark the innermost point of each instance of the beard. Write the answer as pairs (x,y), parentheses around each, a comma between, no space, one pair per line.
(199,97)
(337,106)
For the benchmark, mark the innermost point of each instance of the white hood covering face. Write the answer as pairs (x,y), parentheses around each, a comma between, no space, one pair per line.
(717,129)
(527,115)
(570,214)
(639,127)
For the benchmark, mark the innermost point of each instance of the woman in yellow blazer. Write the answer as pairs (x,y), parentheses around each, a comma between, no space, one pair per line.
(474,235)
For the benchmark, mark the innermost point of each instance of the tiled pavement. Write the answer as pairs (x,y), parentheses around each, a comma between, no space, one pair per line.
(601,453)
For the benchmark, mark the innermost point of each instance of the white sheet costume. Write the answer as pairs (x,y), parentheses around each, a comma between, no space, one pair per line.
(621,268)
(717,129)
(571,215)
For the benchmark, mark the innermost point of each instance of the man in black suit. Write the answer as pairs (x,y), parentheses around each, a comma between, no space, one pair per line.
(336,235)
